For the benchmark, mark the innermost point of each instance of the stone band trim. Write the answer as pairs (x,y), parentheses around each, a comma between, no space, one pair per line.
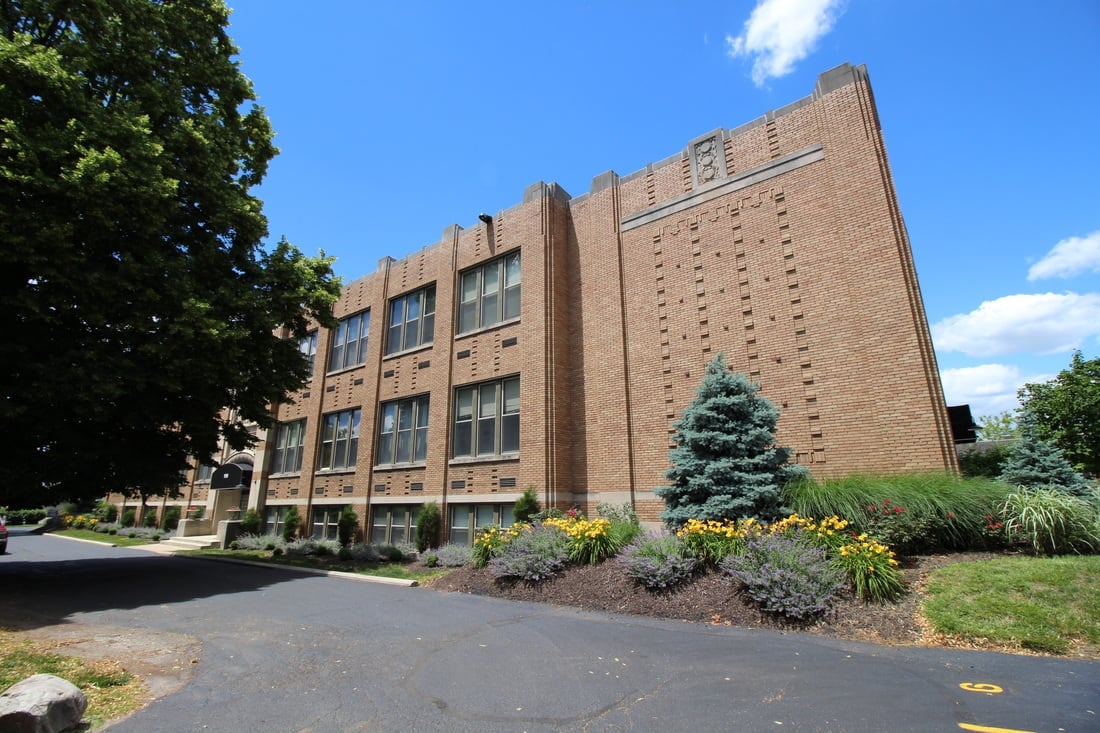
(751,177)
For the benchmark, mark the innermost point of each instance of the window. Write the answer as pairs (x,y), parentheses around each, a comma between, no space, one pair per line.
(326,522)
(486,420)
(276,516)
(412,321)
(489,294)
(205,472)
(403,431)
(339,440)
(468,519)
(288,447)
(349,342)
(393,525)
(308,346)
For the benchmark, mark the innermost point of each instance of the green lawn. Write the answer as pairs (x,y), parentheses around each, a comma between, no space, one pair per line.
(108,539)
(1049,604)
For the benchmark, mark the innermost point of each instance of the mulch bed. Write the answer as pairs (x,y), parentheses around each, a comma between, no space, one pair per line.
(711,598)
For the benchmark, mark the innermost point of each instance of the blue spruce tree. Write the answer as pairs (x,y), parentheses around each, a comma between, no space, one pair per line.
(1034,462)
(726,464)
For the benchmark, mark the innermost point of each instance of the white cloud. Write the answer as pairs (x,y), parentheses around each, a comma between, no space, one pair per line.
(1069,257)
(989,389)
(1041,323)
(780,33)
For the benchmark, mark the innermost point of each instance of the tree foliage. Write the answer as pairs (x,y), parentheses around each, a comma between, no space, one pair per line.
(136,298)
(1001,426)
(1066,412)
(726,464)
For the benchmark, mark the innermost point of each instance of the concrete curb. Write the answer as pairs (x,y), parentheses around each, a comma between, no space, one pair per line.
(154,547)
(79,539)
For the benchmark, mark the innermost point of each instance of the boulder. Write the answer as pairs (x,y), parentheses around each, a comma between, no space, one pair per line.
(41,704)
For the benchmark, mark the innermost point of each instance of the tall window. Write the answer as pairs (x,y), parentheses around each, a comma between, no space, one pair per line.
(349,342)
(288,447)
(308,346)
(467,519)
(412,320)
(403,431)
(339,440)
(393,525)
(326,521)
(275,519)
(489,294)
(486,419)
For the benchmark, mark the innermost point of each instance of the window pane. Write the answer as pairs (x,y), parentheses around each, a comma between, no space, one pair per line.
(353,444)
(467,317)
(386,433)
(463,427)
(379,525)
(507,517)
(509,434)
(484,516)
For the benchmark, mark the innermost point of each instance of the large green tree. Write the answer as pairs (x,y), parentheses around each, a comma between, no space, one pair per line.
(136,298)
(726,464)
(1066,412)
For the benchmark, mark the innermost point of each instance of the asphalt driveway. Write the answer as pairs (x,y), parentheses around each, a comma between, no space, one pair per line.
(275,650)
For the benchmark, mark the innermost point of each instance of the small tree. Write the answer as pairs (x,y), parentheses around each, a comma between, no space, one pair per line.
(428,524)
(346,524)
(1001,426)
(527,505)
(726,464)
(291,522)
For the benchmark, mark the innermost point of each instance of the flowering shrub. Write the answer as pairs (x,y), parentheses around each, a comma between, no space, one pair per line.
(903,529)
(490,541)
(449,556)
(712,541)
(830,534)
(534,554)
(872,569)
(658,561)
(786,575)
(80,521)
(593,540)
(870,565)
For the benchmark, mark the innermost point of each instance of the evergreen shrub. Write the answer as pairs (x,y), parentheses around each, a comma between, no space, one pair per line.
(527,506)
(725,464)
(346,525)
(428,525)
(251,522)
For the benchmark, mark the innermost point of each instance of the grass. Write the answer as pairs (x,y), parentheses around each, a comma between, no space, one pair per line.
(1041,604)
(110,690)
(327,562)
(108,539)
(937,495)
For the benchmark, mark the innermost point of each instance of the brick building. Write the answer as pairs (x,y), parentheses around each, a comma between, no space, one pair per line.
(554,344)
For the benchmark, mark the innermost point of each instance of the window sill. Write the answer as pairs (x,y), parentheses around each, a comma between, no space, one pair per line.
(400,466)
(484,329)
(287,474)
(343,370)
(406,352)
(334,471)
(502,458)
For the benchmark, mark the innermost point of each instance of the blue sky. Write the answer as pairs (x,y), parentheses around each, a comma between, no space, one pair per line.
(396,120)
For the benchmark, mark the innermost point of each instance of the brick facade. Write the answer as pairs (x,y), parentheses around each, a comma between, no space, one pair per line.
(779,243)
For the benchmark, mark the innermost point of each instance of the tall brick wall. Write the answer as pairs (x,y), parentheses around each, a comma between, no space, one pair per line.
(779,243)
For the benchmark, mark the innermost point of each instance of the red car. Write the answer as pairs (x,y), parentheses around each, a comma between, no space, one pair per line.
(3,537)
